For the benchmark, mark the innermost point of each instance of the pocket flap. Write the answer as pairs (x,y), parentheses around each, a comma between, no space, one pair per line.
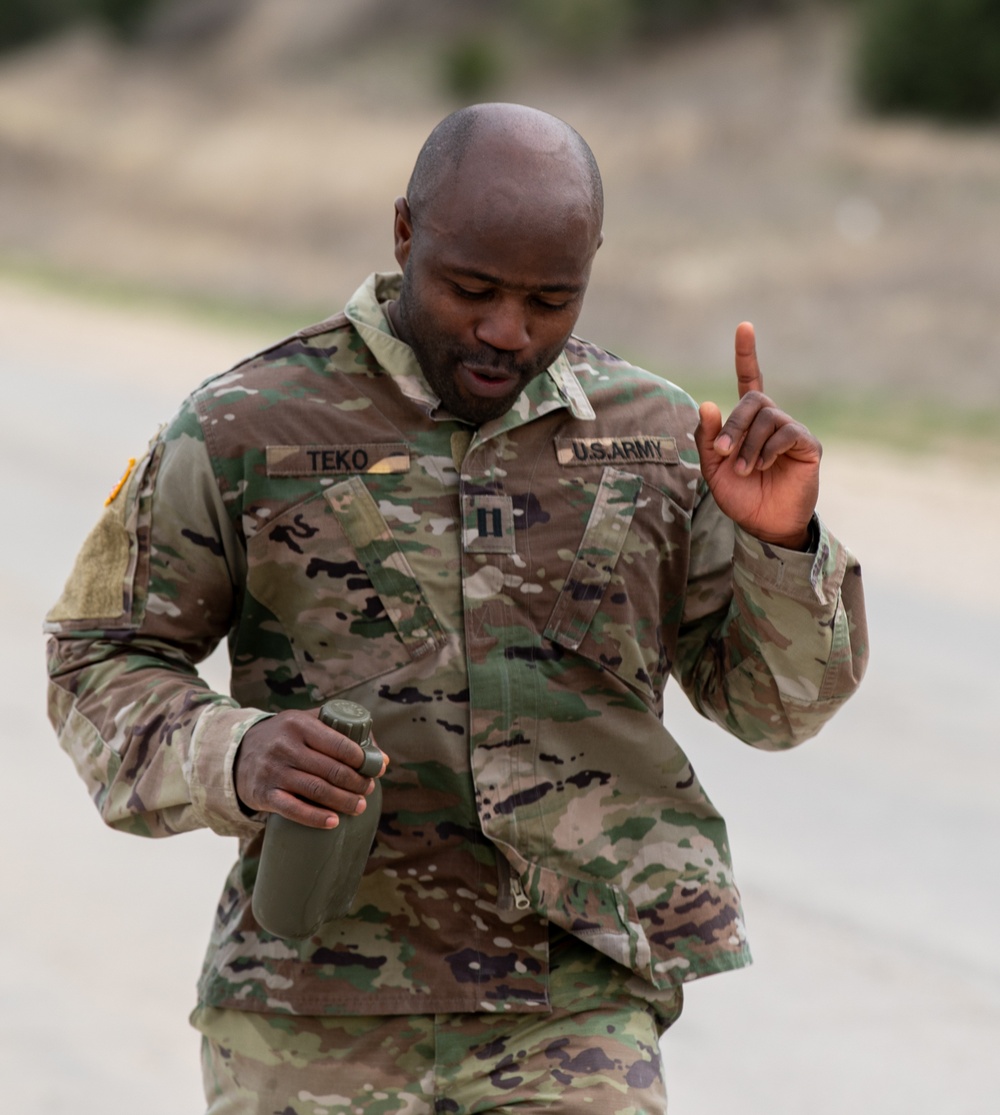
(386,565)
(590,573)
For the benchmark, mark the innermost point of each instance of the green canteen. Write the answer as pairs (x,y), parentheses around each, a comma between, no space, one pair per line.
(310,876)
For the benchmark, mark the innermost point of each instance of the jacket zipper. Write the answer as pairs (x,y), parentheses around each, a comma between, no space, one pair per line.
(510,893)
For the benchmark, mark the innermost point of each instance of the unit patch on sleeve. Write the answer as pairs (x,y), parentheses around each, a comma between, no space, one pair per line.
(337,460)
(639,449)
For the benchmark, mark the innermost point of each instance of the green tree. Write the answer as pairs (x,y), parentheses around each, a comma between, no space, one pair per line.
(25,21)
(938,57)
(124,17)
(22,21)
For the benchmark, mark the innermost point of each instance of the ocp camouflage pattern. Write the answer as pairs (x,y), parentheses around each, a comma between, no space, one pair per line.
(574,1058)
(509,602)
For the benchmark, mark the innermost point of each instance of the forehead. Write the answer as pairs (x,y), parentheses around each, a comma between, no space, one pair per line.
(526,225)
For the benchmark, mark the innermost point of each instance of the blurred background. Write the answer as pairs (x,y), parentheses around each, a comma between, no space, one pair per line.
(182,181)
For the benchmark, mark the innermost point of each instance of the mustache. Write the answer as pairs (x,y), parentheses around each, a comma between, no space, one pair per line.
(501,362)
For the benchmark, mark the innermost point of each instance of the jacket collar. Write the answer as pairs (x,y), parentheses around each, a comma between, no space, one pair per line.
(557,388)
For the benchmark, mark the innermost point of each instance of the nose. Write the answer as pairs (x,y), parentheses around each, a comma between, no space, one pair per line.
(504,326)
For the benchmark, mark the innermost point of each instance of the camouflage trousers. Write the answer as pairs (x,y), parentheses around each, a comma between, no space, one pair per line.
(602,1059)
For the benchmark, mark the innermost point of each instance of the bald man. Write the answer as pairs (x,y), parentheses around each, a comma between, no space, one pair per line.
(502,541)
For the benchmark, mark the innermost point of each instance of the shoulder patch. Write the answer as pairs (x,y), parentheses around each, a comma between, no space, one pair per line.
(101,589)
(113,494)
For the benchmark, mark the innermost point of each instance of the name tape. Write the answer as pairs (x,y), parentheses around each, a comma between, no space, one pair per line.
(337,460)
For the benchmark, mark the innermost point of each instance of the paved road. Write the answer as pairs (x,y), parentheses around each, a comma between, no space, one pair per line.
(867,858)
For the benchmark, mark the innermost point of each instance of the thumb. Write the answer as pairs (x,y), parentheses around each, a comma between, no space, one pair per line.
(709,428)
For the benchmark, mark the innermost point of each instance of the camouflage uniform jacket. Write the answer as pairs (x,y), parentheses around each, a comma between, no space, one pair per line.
(509,602)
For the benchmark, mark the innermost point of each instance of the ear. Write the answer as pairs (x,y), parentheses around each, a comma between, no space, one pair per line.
(402,230)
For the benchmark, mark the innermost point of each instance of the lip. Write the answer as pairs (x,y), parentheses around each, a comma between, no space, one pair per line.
(486,382)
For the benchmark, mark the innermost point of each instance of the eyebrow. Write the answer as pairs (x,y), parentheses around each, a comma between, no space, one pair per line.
(495,280)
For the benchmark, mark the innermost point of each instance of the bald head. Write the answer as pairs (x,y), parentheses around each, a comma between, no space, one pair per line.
(495,240)
(535,153)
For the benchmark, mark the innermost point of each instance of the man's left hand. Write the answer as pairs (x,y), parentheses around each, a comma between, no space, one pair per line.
(761,466)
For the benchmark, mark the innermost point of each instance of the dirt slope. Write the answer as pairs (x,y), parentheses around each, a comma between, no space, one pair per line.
(741,184)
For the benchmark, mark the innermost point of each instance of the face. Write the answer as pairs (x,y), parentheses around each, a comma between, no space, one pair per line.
(491,292)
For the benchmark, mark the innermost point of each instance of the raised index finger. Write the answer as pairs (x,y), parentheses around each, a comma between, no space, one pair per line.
(748,373)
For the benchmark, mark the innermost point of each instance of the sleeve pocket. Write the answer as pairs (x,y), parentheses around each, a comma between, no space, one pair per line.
(101,590)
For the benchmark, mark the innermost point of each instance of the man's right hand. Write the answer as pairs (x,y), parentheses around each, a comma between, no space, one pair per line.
(293,764)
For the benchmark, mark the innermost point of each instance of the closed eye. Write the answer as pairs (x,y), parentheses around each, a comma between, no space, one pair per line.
(476,294)
(546,304)
(465,292)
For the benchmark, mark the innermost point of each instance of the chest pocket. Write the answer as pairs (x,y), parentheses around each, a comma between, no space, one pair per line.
(625,583)
(337,580)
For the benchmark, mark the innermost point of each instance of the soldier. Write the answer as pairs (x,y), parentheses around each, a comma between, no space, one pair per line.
(502,540)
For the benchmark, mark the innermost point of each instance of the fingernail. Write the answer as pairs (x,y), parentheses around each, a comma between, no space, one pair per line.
(723,443)
(742,466)
(331,822)
(362,805)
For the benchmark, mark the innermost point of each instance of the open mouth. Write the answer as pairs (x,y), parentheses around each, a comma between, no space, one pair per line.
(485,380)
